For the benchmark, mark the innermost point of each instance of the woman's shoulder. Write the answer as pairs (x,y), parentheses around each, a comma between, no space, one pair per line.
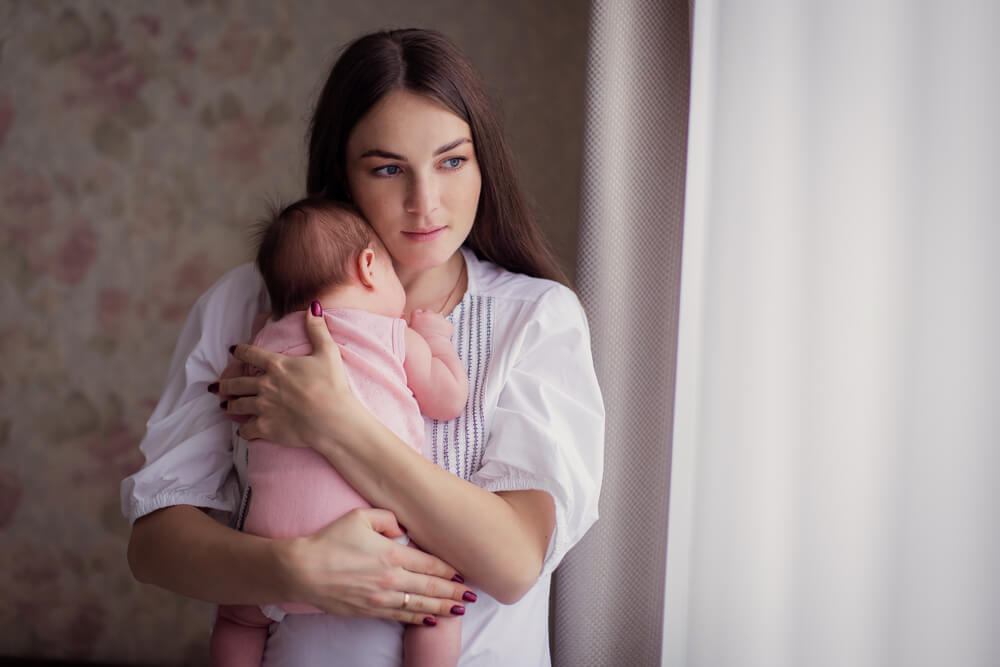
(240,289)
(242,281)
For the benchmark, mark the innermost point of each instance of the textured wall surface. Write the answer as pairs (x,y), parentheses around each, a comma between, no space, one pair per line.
(137,142)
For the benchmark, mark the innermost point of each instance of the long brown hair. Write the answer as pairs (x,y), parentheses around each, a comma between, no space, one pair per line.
(427,63)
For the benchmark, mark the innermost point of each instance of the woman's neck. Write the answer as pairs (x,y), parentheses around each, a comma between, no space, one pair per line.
(438,289)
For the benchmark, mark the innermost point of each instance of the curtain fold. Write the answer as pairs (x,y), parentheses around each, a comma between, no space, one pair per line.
(836,445)
(608,593)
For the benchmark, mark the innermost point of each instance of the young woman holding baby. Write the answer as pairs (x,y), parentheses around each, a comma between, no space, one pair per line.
(404,131)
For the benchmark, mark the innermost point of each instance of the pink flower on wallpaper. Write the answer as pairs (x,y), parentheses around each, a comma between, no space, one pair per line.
(27,196)
(233,54)
(195,275)
(6,116)
(84,625)
(11,491)
(111,304)
(75,254)
(190,279)
(184,49)
(113,456)
(39,570)
(74,625)
(183,97)
(27,201)
(151,24)
(114,77)
(240,152)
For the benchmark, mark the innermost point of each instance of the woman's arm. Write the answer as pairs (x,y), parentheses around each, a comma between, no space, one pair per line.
(497,540)
(348,568)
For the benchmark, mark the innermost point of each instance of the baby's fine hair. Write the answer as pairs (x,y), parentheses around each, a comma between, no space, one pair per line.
(308,247)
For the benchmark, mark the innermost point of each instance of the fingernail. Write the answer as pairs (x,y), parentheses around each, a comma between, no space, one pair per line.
(224,404)
(458,610)
(430,620)
(317,309)
(213,388)
(232,349)
(469,596)
(458,578)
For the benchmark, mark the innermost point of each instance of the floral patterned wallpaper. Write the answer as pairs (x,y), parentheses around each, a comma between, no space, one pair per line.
(137,141)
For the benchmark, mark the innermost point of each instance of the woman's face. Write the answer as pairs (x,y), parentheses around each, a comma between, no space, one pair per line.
(412,170)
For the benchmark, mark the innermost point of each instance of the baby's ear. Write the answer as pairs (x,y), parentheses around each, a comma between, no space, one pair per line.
(366,267)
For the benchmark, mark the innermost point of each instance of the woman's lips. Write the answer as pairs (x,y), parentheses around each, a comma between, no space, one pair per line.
(424,236)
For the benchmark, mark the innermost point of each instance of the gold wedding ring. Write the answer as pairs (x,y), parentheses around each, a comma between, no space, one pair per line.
(406,600)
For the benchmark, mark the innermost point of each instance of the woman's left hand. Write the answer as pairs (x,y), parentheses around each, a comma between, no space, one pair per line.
(297,401)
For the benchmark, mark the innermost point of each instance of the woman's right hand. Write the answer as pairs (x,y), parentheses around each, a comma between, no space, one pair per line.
(352,567)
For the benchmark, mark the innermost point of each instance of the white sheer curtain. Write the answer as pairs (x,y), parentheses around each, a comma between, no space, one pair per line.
(837,422)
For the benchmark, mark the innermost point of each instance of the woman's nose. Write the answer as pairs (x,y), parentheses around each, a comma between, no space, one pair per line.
(423,197)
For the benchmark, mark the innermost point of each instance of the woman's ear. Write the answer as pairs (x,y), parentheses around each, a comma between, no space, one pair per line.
(366,267)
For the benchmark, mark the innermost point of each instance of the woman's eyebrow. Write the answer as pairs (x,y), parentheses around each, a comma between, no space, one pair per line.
(378,152)
(454,144)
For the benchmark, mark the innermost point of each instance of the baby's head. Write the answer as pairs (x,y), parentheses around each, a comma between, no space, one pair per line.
(314,246)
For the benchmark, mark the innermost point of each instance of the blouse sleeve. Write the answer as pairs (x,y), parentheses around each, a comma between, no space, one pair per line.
(548,429)
(187,444)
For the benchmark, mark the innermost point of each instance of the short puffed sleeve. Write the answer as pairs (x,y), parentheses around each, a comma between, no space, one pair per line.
(547,431)
(187,445)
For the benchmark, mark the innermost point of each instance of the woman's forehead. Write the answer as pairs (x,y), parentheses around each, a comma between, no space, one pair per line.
(408,125)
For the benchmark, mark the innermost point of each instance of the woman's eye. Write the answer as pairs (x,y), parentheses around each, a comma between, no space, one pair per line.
(388,170)
(453,162)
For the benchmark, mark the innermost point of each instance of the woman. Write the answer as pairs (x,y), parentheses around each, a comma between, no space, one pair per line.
(404,130)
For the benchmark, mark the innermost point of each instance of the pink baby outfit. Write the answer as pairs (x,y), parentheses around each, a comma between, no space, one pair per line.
(294,491)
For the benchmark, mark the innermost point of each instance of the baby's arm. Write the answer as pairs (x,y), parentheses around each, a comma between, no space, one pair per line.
(433,370)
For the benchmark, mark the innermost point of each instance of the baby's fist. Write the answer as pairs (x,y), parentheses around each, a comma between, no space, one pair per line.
(430,323)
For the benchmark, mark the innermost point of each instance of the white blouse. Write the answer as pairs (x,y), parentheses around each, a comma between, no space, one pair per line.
(534,420)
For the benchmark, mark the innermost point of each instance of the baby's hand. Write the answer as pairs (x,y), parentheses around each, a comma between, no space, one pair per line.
(429,323)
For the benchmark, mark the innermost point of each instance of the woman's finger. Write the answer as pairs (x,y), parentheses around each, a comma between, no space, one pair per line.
(319,334)
(243,405)
(382,521)
(256,356)
(250,428)
(244,385)
(435,607)
(417,609)
(421,562)
(434,596)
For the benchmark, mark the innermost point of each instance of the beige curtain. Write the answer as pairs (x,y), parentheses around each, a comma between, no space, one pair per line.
(608,594)
(837,443)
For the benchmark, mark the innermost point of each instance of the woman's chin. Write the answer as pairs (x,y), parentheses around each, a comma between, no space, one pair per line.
(418,260)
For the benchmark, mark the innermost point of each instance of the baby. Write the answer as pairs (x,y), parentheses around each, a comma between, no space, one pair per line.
(317,250)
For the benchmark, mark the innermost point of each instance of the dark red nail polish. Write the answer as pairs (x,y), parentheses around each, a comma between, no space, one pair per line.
(317,309)
(232,349)
(457,610)
(213,388)
(430,620)
(469,596)
(224,404)
(458,578)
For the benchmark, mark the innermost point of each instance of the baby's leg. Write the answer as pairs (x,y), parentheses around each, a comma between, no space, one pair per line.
(426,646)
(437,646)
(238,637)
